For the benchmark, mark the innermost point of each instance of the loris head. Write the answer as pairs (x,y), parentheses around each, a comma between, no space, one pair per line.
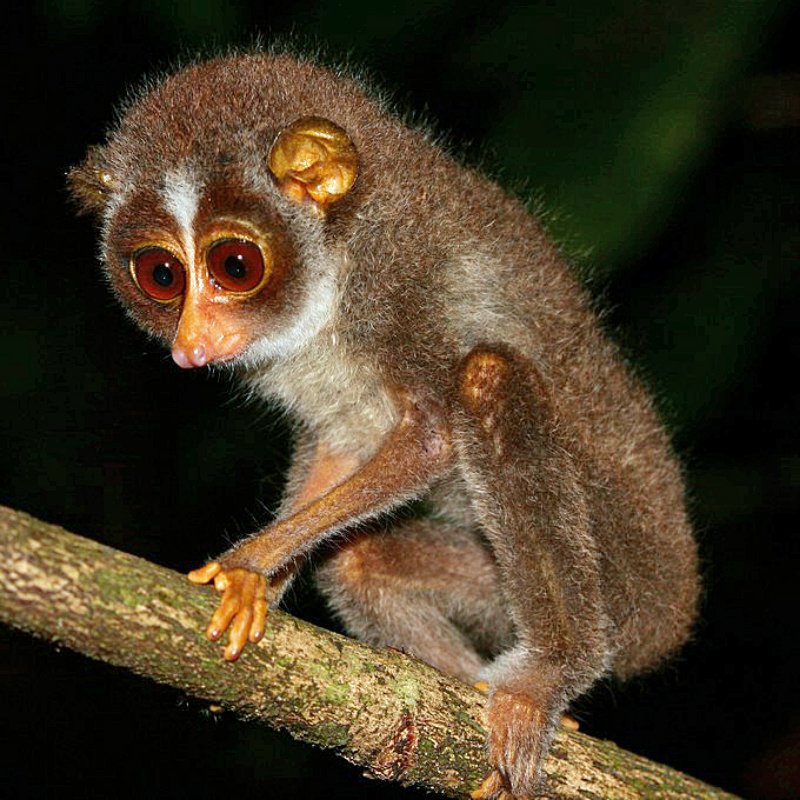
(215,192)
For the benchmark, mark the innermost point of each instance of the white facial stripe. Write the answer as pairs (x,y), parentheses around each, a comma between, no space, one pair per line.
(182,198)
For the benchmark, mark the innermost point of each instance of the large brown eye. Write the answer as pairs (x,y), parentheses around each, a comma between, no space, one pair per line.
(158,273)
(236,264)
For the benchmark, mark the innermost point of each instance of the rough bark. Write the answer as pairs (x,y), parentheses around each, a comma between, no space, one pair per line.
(395,716)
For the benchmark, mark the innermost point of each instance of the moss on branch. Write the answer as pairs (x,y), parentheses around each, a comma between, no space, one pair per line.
(398,718)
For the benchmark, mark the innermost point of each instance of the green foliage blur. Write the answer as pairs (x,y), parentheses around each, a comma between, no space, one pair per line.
(661,143)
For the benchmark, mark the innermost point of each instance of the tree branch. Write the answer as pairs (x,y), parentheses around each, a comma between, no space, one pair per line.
(393,715)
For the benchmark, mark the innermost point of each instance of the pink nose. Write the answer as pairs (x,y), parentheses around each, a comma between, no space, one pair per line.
(187,358)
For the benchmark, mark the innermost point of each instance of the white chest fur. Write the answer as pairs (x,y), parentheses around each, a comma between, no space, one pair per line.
(341,398)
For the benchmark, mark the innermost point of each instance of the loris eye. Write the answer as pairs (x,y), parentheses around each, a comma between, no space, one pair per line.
(158,273)
(236,264)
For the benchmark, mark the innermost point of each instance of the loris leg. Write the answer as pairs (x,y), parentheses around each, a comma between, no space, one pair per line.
(423,586)
(527,492)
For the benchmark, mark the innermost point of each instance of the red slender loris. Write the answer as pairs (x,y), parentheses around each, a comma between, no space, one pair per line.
(267,216)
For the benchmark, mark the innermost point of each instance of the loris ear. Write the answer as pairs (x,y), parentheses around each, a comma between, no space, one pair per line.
(91,183)
(314,159)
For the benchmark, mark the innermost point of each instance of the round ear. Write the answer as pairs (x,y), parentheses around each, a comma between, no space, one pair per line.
(90,183)
(314,159)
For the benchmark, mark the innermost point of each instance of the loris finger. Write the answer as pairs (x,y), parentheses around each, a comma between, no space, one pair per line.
(205,573)
(228,608)
(259,611)
(240,629)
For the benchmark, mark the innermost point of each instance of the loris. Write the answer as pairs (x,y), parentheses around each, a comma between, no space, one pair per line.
(267,216)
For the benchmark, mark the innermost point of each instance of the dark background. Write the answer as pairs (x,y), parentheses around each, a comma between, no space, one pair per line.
(664,140)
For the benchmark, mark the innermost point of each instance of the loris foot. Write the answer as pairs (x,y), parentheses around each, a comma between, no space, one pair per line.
(492,788)
(520,729)
(243,607)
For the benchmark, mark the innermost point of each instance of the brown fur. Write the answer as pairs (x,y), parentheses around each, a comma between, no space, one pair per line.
(462,365)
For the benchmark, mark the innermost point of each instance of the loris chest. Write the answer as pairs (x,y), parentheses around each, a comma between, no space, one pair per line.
(342,398)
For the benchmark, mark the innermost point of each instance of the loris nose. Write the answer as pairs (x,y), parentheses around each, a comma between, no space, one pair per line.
(206,335)
(188,357)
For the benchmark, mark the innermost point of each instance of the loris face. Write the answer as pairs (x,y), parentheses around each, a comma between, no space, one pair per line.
(205,267)
(214,218)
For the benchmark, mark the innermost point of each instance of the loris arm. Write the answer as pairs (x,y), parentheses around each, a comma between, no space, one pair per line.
(414,453)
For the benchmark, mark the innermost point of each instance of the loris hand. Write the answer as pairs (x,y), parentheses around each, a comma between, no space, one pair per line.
(242,609)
